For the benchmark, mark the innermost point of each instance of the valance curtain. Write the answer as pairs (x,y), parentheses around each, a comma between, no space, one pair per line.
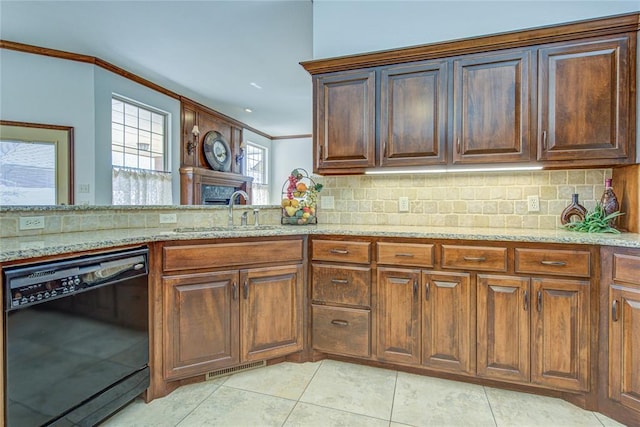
(140,187)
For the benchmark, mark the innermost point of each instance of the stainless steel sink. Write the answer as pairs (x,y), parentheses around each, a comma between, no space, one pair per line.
(221,228)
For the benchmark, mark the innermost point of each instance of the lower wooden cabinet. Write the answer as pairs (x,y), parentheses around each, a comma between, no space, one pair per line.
(534,330)
(201,323)
(624,346)
(271,312)
(560,353)
(216,318)
(503,328)
(448,319)
(399,315)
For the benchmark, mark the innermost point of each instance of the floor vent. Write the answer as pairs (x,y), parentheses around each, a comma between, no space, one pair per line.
(228,371)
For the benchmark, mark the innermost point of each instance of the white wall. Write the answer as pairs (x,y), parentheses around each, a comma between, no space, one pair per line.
(288,154)
(108,83)
(40,89)
(349,27)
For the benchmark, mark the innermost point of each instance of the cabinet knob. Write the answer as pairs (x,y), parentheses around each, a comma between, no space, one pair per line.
(526,301)
(544,140)
(614,310)
(458,145)
(415,288)
(234,291)
(426,291)
(246,289)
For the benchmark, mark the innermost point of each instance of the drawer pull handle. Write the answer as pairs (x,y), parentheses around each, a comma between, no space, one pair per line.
(340,281)
(458,145)
(339,251)
(415,288)
(474,258)
(246,289)
(554,263)
(405,255)
(544,140)
(234,290)
(426,291)
(339,322)
(526,301)
(614,310)
(539,303)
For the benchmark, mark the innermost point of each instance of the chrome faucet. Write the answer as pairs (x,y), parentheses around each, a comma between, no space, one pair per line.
(231,202)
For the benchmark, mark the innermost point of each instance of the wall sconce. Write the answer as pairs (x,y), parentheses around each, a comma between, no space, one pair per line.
(240,156)
(192,144)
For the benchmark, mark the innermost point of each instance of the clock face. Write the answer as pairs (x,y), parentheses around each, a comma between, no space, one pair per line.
(217,152)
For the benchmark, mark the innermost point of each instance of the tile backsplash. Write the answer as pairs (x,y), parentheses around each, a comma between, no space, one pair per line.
(478,199)
(496,199)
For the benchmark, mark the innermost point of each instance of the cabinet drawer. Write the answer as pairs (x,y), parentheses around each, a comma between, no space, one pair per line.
(555,262)
(341,330)
(230,254)
(483,258)
(341,285)
(341,251)
(420,255)
(626,268)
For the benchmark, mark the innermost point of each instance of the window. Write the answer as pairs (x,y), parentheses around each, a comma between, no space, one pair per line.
(256,167)
(36,164)
(140,173)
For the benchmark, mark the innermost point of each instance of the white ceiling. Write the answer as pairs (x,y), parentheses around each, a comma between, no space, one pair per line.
(210,51)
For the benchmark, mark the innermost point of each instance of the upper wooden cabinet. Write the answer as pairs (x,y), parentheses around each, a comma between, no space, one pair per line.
(491,108)
(584,101)
(413,114)
(344,121)
(562,96)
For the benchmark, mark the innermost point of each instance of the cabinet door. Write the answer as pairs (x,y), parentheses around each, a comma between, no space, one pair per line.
(399,315)
(492,108)
(503,328)
(271,312)
(448,327)
(201,323)
(560,354)
(345,121)
(413,114)
(624,346)
(583,101)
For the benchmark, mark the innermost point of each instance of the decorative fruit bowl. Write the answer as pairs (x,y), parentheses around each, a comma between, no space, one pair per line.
(299,199)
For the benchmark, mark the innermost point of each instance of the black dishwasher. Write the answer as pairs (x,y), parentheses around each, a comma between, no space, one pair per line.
(76,338)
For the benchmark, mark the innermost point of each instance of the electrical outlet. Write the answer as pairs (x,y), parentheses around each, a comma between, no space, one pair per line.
(403,204)
(83,188)
(533,203)
(326,202)
(31,222)
(168,218)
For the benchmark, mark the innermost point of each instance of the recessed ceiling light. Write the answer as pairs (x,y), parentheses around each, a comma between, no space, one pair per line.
(256,85)
(248,110)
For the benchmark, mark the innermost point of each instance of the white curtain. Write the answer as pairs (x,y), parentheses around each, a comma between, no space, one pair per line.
(140,187)
(259,194)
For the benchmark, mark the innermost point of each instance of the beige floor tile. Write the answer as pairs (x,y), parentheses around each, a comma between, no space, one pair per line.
(167,411)
(307,415)
(529,410)
(606,421)
(287,380)
(425,401)
(232,407)
(353,388)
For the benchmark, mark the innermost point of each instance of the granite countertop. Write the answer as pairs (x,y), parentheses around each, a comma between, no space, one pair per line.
(23,248)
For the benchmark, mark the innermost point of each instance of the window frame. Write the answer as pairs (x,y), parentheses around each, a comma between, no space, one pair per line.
(166,153)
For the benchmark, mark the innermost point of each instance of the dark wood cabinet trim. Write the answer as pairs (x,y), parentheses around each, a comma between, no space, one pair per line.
(548,34)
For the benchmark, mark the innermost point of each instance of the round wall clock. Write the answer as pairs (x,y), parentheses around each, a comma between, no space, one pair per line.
(217,152)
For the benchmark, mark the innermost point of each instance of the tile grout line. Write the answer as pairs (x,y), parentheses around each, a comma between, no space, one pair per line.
(486,396)
(201,402)
(393,399)
(303,391)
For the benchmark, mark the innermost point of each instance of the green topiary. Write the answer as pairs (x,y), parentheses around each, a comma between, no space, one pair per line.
(595,222)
